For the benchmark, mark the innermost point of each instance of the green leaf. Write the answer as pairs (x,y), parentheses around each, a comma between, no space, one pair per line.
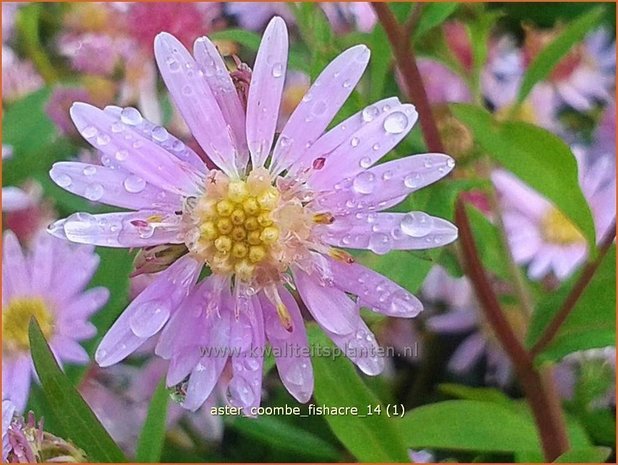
(78,421)
(380,63)
(492,395)
(488,242)
(551,55)
(249,39)
(286,437)
(537,157)
(591,324)
(152,437)
(468,425)
(433,15)
(589,455)
(373,438)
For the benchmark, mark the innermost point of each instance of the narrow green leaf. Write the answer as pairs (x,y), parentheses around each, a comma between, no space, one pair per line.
(78,421)
(286,437)
(248,39)
(488,241)
(481,394)
(551,55)
(468,425)
(591,324)
(152,437)
(537,157)
(380,63)
(433,15)
(372,438)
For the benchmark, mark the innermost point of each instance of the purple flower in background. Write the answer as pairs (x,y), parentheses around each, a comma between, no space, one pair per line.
(539,234)
(48,284)
(268,219)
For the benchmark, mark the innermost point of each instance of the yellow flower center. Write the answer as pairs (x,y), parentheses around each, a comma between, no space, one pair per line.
(524,112)
(241,226)
(558,229)
(16,318)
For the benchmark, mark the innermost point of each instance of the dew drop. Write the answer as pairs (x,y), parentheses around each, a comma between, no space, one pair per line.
(369,113)
(134,184)
(412,181)
(89,131)
(130,116)
(277,70)
(187,90)
(416,224)
(117,127)
(387,175)
(63,180)
(450,163)
(121,155)
(159,134)
(347,84)
(319,108)
(395,123)
(94,192)
(103,139)
(364,183)
(89,171)
(173,65)
(354,141)
(380,243)
(365,162)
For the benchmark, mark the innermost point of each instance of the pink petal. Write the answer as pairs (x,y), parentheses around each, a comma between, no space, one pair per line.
(320,105)
(127,229)
(336,136)
(162,296)
(157,134)
(133,151)
(224,91)
(42,261)
(69,351)
(518,195)
(384,185)
(182,365)
(265,90)
(15,276)
(361,347)
(15,199)
(330,307)
(453,322)
(247,343)
(16,380)
(374,290)
(366,146)
(383,232)
(468,353)
(75,266)
(195,100)
(291,349)
(84,305)
(112,186)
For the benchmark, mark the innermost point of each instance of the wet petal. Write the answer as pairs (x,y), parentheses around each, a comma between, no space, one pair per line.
(361,347)
(383,232)
(112,186)
(374,290)
(320,105)
(196,102)
(331,307)
(218,78)
(386,184)
(366,146)
(291,349)
(163,295)
(265,90)
(74,267)
(132,151)
(128,229)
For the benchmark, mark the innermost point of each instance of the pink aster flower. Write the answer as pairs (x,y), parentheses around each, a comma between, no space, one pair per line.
(269,219)
(48,284)
(540,236)
(19,78)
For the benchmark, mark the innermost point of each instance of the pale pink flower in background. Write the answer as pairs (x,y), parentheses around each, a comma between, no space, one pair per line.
(19,77)
(265,219)
(442,84)
(539,234)
(46,283)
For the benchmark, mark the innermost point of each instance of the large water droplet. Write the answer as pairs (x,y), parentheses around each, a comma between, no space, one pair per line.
(416,224)
(159,134)
(277,70)
(134,184)
(364,183)
(149,318)
(130,116)
(380,243)
(396,122)
(94,192)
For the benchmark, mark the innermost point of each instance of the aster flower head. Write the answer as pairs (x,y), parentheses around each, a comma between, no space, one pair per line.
(270,218)
(541,236)
(46,283)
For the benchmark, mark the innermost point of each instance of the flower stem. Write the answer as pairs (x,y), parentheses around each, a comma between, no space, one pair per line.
(537,386)
(580,286)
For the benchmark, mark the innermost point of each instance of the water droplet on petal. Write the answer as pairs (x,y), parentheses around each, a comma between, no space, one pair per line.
(173,65)
(159,134)
(89,131)
(412,181)
(354,141)
(130,116)
(277,70)
(364,183)
(365,162)
(395,123)
(134,184)
(63,180)
(417,224)
(450,163)
(347,84)
(369,113)
(380,243)
(94,192)
(103,139)
(319,108)
(149,318)
(121,155)
(89,170)
(387,175)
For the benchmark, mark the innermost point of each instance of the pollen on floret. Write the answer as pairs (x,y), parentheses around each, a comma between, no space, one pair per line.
(558,229)
(16,319)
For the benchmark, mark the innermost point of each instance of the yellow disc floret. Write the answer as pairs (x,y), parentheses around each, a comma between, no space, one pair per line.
(558,229)
(16,318)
